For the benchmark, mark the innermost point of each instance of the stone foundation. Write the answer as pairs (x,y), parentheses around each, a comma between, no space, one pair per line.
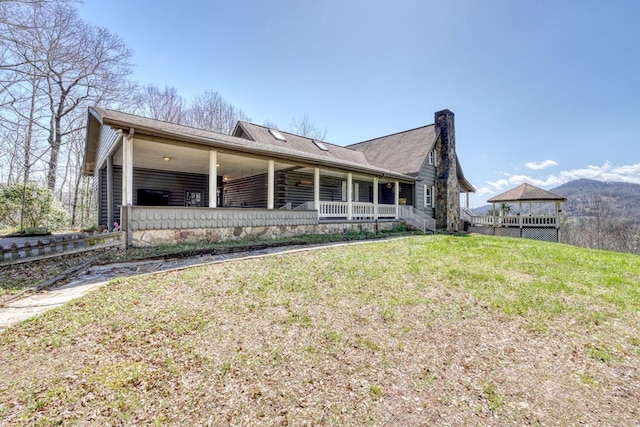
(222,234)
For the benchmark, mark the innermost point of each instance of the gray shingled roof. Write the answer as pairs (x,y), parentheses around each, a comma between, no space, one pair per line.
(526,192)
(145,126)
(262,135)
(404,152)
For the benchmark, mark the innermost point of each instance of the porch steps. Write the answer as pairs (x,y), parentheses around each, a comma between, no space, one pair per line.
(417,219)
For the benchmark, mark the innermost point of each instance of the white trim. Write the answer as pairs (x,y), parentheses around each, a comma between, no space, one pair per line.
(213,179)
(316,188)
(270,183)
(428,196)
(349,196)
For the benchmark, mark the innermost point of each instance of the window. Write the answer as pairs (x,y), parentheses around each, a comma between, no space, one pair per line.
(355,191)
(433,159)
(277,135)
(320,145)
(428,196)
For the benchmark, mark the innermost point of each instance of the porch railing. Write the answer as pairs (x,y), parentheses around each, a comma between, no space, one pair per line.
(515,221)
(359,210)
(417,219)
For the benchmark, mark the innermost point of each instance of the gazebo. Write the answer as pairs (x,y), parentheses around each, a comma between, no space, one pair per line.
(524,211)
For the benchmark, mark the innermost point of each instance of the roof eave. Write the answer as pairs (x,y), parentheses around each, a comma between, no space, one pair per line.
(304,158)
(94,122)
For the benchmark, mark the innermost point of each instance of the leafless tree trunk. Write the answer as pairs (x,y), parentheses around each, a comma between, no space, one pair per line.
(78,62)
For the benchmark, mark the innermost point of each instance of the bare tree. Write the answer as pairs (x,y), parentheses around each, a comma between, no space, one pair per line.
(305,127)
(160,104)
(601,228)
(268,123)
(75,64)
(212,112)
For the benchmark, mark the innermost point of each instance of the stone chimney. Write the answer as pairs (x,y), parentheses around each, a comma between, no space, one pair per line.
(447,207)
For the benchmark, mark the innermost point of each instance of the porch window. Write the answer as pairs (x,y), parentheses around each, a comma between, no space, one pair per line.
(355,193)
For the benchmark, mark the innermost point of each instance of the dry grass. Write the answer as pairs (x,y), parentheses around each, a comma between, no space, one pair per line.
(434,330)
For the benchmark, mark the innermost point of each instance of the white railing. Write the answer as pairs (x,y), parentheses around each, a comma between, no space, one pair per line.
(417,219)
(362,210)
(386,211)
(333,209)
(359,210)
(515,221)
(286,206)
(466,214)
(306,206)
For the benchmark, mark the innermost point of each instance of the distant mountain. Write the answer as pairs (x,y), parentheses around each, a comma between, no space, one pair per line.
(617,198)
(585,195)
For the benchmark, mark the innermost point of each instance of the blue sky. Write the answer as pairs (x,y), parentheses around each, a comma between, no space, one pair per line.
(544,91)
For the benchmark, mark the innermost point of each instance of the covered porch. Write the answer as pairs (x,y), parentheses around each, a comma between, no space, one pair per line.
(148,184)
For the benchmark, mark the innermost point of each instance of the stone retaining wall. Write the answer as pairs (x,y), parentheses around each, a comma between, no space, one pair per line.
(221,234)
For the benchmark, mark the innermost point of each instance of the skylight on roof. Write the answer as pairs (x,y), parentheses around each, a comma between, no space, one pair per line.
(277,135)
(320,145)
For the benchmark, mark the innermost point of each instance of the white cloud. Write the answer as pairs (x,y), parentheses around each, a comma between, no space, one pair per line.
(604,172)
(541,165)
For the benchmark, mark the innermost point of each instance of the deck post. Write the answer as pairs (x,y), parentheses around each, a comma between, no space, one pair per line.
(349,196)
(375,198)
(127,169)
(110,193)
(397,197)
(270,182)
(316,189)
(213,179)
(520,213)
(127,185)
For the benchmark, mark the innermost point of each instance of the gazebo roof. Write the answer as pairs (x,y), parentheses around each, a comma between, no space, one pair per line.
(526,192)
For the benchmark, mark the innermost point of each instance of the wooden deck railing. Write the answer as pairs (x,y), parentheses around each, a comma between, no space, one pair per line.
(49,247)
(515,221)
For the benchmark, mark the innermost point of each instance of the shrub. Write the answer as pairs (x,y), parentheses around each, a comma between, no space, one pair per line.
(41,209)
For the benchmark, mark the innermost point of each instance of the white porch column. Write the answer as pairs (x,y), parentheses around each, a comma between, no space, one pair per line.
(467,201)
(213,179)
(110,193)
(127,170)
(375,198)
(127,186)
(316,189)
(397,198)
(349,195)
(270,182)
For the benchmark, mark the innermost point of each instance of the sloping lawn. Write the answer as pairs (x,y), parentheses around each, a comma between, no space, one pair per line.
(433,330)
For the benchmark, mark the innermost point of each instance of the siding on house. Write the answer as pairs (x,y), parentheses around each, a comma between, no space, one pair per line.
(426,178)
(248,192)
(108,138)
(176,183)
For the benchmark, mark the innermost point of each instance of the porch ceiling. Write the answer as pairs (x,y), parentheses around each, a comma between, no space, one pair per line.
(151,154)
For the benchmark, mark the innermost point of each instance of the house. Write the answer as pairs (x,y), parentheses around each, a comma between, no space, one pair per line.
(168,183)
